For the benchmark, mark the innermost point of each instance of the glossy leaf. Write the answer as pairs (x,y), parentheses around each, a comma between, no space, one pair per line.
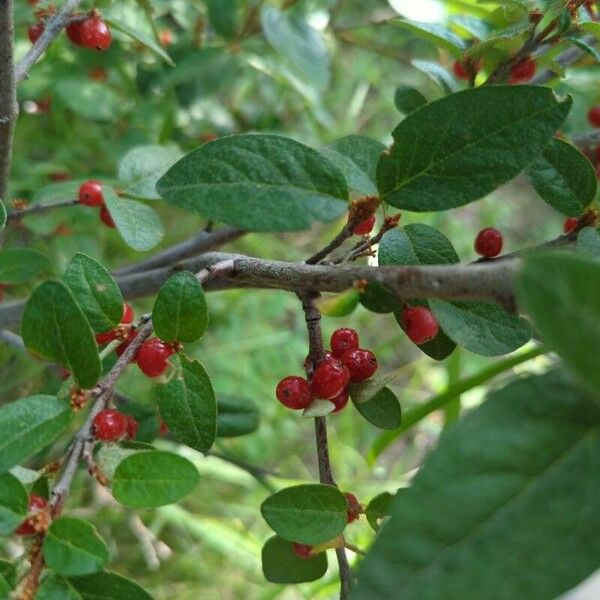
(338,305)
(29,425)
(564,178)
(436,34)
(236,416)
(383,410)
(180,312)
(257,181)
(151,479)
(378,509)
(223,16)
(407,99)
(108,586)
(280,564)
(187,404)
(73,547)
(21,264)
(96,292)
(141,37)
(13,503)
(514,478)
(55,328)
(54,587)
(308,514)
(469,128)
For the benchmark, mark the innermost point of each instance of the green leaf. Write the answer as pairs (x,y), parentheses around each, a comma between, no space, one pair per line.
(13,503)
(187,404)
(5,588)
(236,416)
(383,410)
(379,508)
(300,44)
(9,571)
(514,479)
(583,45)
(356,156)
(468,128)
(139,224)
(29,425)
(223,16)
(89,99)
(55,327)
(588,242)
(54,587)
(141,37)
(96,292)
(108,586)
(143,166)
(338,305)
(308,514)
(436,34)
(110,456)
(73,547)
(281,564)
(257,181)
(560,293)
(180,313)
(407,99)
(151,479)
(21,264)
(378,298)
(563,177)
(3,215)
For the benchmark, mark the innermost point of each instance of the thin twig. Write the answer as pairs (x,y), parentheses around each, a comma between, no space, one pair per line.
(38,209)
(338,240)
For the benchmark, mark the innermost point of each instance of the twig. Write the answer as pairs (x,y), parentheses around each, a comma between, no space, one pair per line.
(38,209)
(338,240)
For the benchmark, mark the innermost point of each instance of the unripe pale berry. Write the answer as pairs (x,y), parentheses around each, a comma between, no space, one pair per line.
(110,425)
(302,550)
(95,34)
(365,227)
(294,392)
(342,340)
(330,379)
(594,116)
(90,193)
(523,71)
(419,323)
(570,223)
(489,242)
(152,357)
(36,503)
(361,364)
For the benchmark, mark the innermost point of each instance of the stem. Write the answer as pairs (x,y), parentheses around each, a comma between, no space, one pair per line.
(338,240)
(39,208)
(417,414)
(8,92)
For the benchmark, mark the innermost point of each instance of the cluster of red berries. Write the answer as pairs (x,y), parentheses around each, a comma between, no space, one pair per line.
(345,363)
(520,72)
(86,32)
(110,426)
(90,194)
(36,504)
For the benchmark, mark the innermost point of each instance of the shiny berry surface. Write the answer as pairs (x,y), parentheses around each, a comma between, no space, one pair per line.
(419,323)
(340,401)
(361,364)
(90,193)
(330,379)
(523,71)
(34,32)
(127,317)
(570,223)
(36,503)
(294,392)
(488,242)
(132,427)
(365,227)
(106,218)
(95,34)
(152,357)
(343,340)
(106,337)
(110,425)
(73,30)
(594,116)
(354,508)
(302,550)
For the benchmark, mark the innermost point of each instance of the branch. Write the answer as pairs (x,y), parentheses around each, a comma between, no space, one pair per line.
(51,31)
(38,209)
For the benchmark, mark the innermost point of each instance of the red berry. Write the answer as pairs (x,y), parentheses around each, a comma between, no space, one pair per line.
(294,392)
(106,218)
(110,425)
(488,242)
(127,317)
(106,337)
(330,379)
(163,428)
(461,70)
(98,74)
(122,347)
(594,116)
(64,373)
(90,193)
(74,32)
(302,550)
(326,356)
(95,34)
(361,364)
(570,223)
(354,507)
(152,357)
(165,36)
(342,340)
(34,32)
(419,323)
(132,427)
(60,176)
(523,71)
(36,503)
(341,400)
(365,227)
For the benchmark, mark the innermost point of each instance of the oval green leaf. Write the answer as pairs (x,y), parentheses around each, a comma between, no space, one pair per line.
(434,33)
(13,503)
(407,99)
(54,587)
(236,416)
(382,410)
(378,509)
(21,264)
(280,564)
(108,586)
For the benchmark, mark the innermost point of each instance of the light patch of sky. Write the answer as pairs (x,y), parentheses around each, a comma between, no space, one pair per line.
(426,11)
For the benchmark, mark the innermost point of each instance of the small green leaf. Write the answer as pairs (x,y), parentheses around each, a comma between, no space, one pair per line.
(141,37)
(108,586)
(378,298)
(54,587)
(468,127)
(180,313)
(151,479)
(3,215)
(13,503)
(139,224)
(257,181)
(583,45)
(378,509)
(564,178)
(356,156)
(187,404)
(96,292)
(73,547)
(281,564)
(436,34)
(9,571)
(88,99)
(588,242)
(383,410)
(55,327)
(338,305)
(236,416)
(143,166)
(407,99)
(308,514)
(21,264)
(223,16)
(5,588)
(29,425)
(110,456)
